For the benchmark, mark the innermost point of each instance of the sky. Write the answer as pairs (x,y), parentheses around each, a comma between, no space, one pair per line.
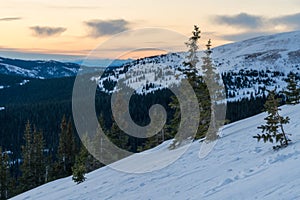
(54,29)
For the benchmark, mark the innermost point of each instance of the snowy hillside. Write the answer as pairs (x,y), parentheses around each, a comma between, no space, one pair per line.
(248,67)
(237,168)
(45,69)
(37,68)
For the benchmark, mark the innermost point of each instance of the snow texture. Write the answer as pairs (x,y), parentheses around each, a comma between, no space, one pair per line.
(260,63)
(238,167)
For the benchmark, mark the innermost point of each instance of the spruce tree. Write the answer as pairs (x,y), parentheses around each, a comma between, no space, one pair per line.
(82,162)
(4,175)
(199,87)
(27,181)
(66,150)
(97,144)
(292,92)
(118,137)
(216,93)
(273,130)
(39,160)
(33,167)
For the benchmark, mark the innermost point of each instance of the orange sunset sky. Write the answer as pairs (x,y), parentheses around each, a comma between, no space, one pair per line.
(74,28)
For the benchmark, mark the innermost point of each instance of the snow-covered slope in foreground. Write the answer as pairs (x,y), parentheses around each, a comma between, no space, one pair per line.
(237,168)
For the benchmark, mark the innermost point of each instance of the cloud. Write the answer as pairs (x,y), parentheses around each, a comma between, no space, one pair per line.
(107,27)
(254,26)
(45,31)
(243,20)
(244,35)
(10,18)
(291,21)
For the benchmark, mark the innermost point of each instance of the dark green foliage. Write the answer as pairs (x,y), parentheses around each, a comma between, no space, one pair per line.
(292,92)
(118,137)
(66,150)
(215,113)
(5,179)
(27,179)
(244,108)
(199,88)
(273,130)
(33,167)
(79,171)
(82,162)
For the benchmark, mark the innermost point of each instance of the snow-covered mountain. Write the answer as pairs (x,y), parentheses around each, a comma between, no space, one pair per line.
(248,67)
(45,69)
(238,167)
(37,68)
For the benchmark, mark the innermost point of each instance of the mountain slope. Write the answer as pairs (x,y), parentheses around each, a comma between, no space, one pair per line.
(248,67)
(237,168)
(37,68)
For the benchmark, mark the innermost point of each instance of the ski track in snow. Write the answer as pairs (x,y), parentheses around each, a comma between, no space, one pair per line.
(237,168)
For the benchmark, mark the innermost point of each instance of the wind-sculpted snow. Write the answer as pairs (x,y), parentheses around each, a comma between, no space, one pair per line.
(237,168)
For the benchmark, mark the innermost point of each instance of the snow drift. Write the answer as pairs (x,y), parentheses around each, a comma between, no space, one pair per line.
(237,168)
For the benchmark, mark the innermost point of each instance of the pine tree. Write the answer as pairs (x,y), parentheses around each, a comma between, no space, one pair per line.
(4,175)
(66,150)
(216,93)
(27,178)
(274,121)
(38,158)
(292,92)
(33,167)
(118,137)
(200,89)
(97,144)
(82,162)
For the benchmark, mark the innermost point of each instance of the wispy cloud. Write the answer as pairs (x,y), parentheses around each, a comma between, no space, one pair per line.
(244,35)
(291,21)
(243,20)
(100,28)
(10,19)
(45,31)
(249,21)
(253,25)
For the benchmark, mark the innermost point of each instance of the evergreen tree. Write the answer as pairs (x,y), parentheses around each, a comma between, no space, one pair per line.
(199,87)
(118,137)
(292,92)
(97,144)
(216,93)
(33,167)
(4,175)
(66,150)
(274,121)
(82,162)
(39,161)
(27,179)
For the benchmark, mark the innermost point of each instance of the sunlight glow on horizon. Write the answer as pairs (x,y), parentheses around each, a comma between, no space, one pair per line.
(58,27)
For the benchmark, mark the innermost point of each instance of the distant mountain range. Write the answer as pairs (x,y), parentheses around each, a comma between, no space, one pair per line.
(44,69)
(37,69)
(248,67)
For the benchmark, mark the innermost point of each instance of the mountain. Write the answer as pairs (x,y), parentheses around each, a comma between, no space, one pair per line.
(248,67)
(37,68)
(238,167)
(44,69)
